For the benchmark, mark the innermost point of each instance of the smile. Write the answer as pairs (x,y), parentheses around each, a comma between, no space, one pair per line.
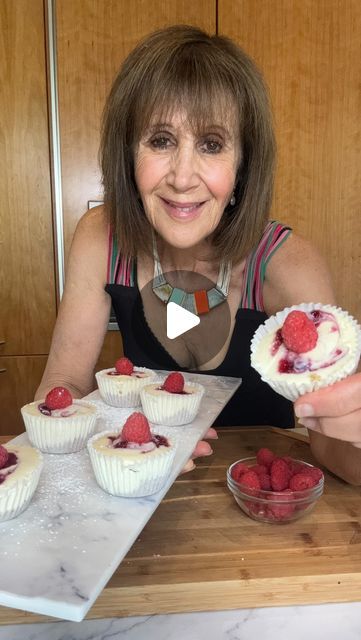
(182,210)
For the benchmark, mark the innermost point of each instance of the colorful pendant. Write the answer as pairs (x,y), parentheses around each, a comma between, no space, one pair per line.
(200,301)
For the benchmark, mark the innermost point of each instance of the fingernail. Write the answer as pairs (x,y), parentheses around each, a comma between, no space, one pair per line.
(304,410)
(210,452)
(309,423)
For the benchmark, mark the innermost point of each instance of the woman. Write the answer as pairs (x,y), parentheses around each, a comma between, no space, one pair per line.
(187,158)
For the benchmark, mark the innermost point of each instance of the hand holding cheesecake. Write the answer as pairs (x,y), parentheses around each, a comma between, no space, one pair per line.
(309,353)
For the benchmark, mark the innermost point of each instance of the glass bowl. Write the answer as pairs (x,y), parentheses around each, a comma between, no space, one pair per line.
(273,506)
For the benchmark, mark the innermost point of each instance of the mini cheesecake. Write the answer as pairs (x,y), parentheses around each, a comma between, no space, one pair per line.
(19,477)
(171,408)
(130,469)
(64,430)
(291,371)
(122,390)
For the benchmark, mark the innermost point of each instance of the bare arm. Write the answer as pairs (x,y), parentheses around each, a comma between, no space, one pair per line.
(297,273)
(84,311)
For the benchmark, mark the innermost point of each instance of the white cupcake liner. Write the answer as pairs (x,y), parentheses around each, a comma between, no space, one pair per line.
(123,393)
(17,498)
(135,478)
(171,409)
(301,383)
(60,435)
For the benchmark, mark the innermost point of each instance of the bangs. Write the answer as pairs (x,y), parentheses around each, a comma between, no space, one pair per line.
(190,85)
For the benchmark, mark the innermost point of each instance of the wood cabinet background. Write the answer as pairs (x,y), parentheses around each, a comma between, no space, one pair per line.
(27,284)
(309,52)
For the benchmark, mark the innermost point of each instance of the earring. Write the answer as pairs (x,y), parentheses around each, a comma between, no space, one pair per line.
(232,201)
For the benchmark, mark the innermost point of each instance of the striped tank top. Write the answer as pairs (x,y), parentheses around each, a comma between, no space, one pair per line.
(123,270)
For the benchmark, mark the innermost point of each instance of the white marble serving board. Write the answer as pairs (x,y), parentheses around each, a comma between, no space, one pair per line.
(57,556)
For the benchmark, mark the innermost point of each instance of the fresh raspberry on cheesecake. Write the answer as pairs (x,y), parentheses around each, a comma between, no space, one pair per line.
(120,385)
(173,401)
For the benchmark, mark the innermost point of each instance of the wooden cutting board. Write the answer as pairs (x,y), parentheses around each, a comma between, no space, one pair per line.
(200,552)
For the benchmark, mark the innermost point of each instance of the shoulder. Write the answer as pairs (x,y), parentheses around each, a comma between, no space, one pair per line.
(93,224)
(89,248)
(297,272)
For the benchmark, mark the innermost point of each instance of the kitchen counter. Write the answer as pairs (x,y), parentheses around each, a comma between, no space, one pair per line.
(200,553)
(331,621)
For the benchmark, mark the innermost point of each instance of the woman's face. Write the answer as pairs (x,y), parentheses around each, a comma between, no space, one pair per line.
(185,180)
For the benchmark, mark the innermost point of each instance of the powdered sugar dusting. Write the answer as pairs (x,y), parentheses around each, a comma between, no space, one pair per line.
(45,550)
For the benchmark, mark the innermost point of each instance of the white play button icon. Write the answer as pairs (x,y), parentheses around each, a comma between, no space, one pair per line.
(179,320)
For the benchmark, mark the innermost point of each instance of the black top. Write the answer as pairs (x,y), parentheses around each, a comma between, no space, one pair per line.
(254,402)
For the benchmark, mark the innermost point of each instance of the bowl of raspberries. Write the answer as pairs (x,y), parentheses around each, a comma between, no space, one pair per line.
(271,488)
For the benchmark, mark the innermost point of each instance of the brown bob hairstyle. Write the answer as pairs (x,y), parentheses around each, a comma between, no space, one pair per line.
(208,77)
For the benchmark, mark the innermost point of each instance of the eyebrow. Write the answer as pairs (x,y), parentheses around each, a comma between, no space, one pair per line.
(208,128)
(159,125)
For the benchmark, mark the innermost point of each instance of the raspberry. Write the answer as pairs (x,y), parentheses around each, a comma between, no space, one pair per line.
(285,366)
(299,332)
(259,469)
(293,465)
(124,366)
(4,455)
(276,342)
(265,481)
(297,467)
(315,473)
(254,508)
(280,474)
(238,470)
(302,481)
(174,383)
(265,456)
(58,398)
(280,511)
(136,429)
(250,480)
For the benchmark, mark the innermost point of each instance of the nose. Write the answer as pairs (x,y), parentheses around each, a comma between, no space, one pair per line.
(183,173)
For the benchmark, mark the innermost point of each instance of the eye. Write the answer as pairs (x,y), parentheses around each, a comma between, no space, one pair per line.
(210,145)
(160,142)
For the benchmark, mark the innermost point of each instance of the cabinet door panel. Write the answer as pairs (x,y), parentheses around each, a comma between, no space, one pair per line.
(310,55)
(19,379)
(27,288)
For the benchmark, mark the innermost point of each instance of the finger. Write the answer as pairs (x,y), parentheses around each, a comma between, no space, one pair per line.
(347,428)
(188,467)
(338,399)
(202,449)
(211,434)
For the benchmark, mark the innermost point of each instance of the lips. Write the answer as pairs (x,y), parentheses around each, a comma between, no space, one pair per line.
(182,210)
